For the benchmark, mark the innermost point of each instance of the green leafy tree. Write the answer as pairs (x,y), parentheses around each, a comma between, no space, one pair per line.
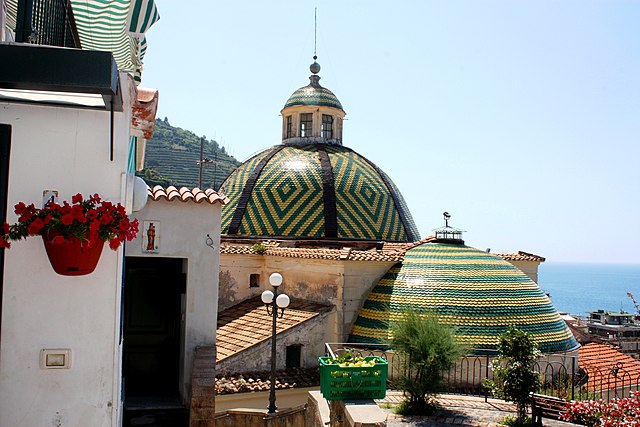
(428,348)
(513,371)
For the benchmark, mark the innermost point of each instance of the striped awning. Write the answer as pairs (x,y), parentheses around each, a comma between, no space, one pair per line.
(117,26)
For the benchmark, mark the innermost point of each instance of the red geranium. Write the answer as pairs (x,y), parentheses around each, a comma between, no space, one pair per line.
(91,220)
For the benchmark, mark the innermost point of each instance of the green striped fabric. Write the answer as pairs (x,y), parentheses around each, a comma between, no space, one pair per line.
(477,293)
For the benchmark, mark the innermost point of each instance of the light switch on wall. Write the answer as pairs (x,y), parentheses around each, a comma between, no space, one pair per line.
(55,358)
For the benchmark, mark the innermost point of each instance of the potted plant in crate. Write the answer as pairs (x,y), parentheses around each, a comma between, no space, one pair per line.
(73,234)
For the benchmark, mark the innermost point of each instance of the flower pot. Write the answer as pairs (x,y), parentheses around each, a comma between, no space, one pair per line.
(73,258)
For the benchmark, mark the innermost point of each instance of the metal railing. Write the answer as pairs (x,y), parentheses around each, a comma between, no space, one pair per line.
(561,375)
(46,22)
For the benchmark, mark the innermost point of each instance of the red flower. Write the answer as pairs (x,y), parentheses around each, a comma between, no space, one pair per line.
(47,219)
(67,219)
(77,198)
(20,208)
(5,228)
(35,226)
(114,244)
(4,243)
(91,215)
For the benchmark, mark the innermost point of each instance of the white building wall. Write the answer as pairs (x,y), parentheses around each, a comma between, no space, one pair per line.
(183,233)
(65,149)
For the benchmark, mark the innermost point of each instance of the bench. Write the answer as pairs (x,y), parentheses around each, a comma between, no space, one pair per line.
(547,407)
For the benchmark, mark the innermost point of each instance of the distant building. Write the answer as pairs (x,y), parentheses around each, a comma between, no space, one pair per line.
(619,328)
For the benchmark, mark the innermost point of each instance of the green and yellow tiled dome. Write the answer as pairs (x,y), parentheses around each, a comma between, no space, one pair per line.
(315,191)
(477,293)
(313,94)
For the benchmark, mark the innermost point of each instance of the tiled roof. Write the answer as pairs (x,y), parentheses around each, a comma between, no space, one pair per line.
(608,368)
(184,194)
(390,252)
(315,191)
(261,381)
(477,293)
(313,94)
(247,324)
(521,256)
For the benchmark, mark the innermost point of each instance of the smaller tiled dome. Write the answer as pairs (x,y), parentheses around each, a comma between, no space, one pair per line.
(313,94)
(477,293)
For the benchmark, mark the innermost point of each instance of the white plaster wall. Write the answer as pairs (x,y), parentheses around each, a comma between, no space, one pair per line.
(68,150)
(183,232)
(530,268)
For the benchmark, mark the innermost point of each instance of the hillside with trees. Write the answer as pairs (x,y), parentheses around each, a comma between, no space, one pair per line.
(172,157)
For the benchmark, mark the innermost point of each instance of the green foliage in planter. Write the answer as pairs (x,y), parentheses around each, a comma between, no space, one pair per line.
(514,376)
(428,348)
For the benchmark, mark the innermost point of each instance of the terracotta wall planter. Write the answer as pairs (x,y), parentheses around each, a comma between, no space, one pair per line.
(73,258)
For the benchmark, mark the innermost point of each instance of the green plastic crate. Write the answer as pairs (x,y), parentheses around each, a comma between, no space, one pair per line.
(353,382)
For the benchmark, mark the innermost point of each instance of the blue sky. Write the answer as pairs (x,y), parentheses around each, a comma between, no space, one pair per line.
(521,119)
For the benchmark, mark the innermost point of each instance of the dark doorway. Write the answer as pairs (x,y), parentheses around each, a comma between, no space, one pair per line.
(153,291)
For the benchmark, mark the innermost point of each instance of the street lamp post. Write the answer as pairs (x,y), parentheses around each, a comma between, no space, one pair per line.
(273,301)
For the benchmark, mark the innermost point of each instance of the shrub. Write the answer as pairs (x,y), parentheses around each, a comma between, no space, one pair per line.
(514,376)
(428,348)
(259,248)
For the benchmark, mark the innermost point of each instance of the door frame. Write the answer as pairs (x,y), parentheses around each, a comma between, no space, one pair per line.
(175,265)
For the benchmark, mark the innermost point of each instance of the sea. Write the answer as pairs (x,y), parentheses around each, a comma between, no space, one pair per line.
(580,287)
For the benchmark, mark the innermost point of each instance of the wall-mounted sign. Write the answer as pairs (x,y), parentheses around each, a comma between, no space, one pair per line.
(49,196)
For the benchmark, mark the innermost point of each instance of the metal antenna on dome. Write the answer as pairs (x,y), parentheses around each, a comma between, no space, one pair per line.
(315,32)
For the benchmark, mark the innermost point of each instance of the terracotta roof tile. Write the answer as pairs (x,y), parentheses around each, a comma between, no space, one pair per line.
(143,111)
(390,252)
(247,324)
(521,256)
(607,367)
(260,381)
(184,194)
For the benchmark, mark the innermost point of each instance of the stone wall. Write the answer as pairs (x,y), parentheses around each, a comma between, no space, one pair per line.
(294,417)
(203,388)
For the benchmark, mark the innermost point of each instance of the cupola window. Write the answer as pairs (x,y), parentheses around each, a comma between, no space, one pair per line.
(306,123)
(289,126)
(327,126)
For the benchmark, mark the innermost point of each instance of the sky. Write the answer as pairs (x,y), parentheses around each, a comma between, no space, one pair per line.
(520,119)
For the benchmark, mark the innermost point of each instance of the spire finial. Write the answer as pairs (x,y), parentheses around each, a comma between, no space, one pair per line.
(315,67)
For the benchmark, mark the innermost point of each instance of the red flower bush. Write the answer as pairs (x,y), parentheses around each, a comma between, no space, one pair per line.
(91,221)
(623,412)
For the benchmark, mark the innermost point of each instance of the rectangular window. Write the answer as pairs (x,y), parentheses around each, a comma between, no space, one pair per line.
(254,281)
(327,126)
(306,122)
(289,124)
(294,354)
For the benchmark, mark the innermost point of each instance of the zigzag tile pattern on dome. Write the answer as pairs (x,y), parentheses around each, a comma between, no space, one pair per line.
(313,95)
(287,199)
(234,184)
(363,199)
(477,293)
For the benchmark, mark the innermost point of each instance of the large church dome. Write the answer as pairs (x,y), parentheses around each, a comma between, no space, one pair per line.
(477,293)
(315,191)
(311,186)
